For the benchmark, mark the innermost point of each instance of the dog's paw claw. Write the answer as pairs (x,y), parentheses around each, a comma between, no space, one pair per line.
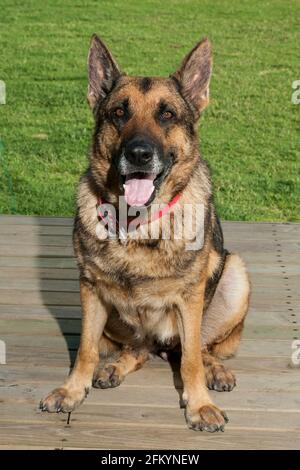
(61,400)
(108,377)
(220,379)
(208,418)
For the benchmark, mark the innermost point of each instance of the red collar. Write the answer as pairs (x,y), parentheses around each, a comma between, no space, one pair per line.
(106,216)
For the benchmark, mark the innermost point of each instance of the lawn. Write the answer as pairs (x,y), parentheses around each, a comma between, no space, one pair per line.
(249,134)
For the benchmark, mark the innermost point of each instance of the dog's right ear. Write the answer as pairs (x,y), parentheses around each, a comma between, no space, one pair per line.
(103,71)
(194,75)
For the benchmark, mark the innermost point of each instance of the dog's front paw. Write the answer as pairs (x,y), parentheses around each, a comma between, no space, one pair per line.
(207,418)
(63,400)
(219,378)
(108,377)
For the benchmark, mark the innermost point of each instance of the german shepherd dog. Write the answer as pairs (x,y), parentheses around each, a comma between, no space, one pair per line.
(147,295)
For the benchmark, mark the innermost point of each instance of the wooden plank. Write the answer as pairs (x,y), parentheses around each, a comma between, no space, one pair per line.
(110,436)
(269,258)
(37,262)
(39,327)
(162,397)
(256,229)
(260,318)
(39,230)
(11,273)
(277,293)
(118,414)
(261,236)
(23,297)
(155,374)
(39,312)
(289,228)
(30,239)
(35,220)
(280,306)
(248,225)
(36,250)
(29,447)
(268,331)
(39,285)
(264,247)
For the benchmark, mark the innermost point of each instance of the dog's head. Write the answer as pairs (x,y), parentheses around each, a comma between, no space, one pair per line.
(145,142)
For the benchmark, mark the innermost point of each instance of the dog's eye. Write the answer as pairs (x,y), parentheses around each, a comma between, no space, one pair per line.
(166,115)
(119,112)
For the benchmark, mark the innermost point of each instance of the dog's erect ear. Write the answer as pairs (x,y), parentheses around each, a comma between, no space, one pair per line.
(102,69)
(194,75)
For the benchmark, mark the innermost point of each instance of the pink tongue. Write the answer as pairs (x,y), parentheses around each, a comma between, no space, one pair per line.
(138,191)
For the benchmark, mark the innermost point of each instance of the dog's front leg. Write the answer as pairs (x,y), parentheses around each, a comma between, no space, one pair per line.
(201,414)
(76,387)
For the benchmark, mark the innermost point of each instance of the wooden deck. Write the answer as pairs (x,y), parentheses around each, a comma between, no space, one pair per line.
(40,324)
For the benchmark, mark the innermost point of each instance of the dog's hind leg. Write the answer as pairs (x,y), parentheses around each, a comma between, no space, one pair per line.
(222,323)
(113,373)
(227,348)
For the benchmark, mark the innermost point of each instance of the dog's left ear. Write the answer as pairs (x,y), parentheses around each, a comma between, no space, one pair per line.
(103,71)
(194,75)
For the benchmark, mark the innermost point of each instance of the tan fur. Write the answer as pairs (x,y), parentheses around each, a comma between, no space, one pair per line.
(229,304)
(227,348)
(213,262)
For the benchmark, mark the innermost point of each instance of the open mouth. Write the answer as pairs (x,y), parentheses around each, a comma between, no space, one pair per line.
(139,188)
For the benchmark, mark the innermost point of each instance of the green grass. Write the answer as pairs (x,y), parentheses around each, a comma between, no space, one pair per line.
(249,134)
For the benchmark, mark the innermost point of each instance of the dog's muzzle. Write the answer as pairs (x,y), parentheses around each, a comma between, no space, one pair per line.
(139,166)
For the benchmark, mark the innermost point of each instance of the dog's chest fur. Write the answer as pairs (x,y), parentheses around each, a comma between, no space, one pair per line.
(141,286)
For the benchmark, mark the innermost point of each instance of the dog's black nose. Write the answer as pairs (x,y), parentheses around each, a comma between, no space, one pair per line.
(139,152)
